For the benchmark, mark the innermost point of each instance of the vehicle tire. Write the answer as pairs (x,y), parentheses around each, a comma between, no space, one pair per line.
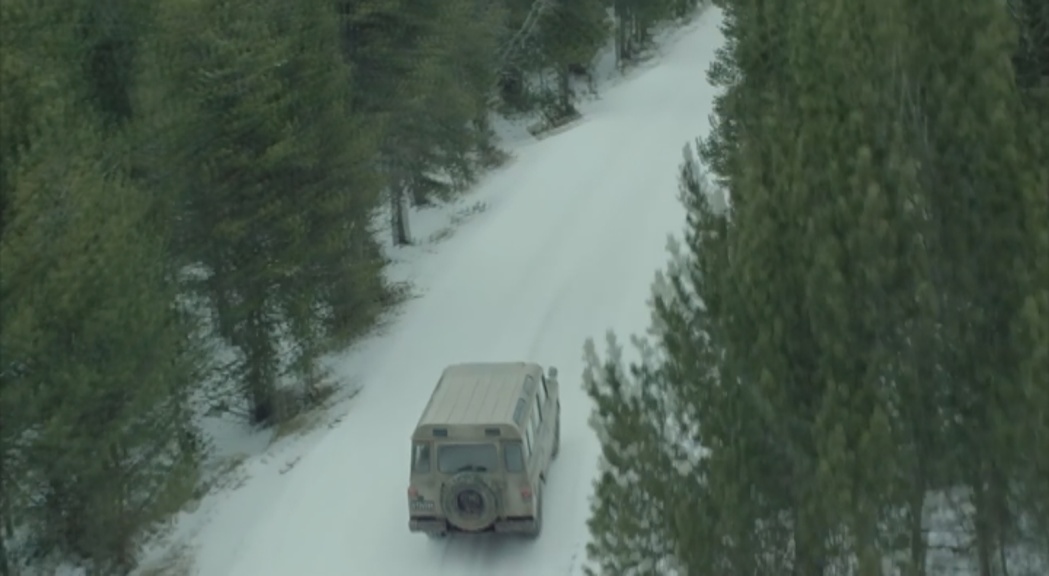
(469,502)
(538,529)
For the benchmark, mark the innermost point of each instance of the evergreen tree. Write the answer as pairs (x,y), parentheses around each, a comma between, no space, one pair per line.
(429,68)
(978,168)
(807,337)
(110,34)
(519,54)
(99,361)
(1032,71)
(657,420)
(636,19)
(856,189)
(1031,63)
(274,173)
(630,535)
(1032,55)
(570,33)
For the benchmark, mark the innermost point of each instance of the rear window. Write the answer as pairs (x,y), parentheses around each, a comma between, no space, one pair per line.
(513,457)
(454,458)
(421,457)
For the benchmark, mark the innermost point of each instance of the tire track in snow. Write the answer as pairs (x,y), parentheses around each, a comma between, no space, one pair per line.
(549,277)
(637,201)
(590,255)
(342,510)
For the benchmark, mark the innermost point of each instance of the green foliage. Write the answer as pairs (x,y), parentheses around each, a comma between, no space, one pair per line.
(1032,65)
(1031,59)
(33,73)
(98,360)
(635,21)
(855,336)
(110,35)
(207,172)
(655,420)
(274,174)
(572,31)
(428,67)
(628,528)
(977,141)
(547,42)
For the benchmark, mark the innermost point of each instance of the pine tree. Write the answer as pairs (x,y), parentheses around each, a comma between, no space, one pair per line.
(98,357)
(713,523)
(570,33)
(110,33)
(823,319)
(635,21)
(656,506)
(717,527)
(629,505)
(976,167)
(1032,55)
(1031,63)
(429,68)
(100,360)
(861,287)
(519,55)
(274,175)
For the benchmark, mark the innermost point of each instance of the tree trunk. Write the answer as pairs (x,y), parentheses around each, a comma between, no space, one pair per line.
(619,40)
(260,357)
(120,540)
(917,535)
(5,562)
(419,198)
(1001,515)
(635,34)
(809,539)
(399,214)
(218,288)
(982,520)
(565,92)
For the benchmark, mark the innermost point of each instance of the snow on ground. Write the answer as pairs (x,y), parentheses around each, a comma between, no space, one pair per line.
(558,245)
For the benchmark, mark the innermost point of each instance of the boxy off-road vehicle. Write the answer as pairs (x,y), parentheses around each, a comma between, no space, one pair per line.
(482,448)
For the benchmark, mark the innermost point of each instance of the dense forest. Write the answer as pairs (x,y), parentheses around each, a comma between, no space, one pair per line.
(847,371)
(184,173)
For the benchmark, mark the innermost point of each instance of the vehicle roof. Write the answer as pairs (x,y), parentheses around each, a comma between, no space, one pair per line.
(478,393)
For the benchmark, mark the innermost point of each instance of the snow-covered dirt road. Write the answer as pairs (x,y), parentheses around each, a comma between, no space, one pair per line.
(575,227)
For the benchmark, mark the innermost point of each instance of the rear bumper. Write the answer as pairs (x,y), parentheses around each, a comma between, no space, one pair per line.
(440,526)
(431,525)
(515,526)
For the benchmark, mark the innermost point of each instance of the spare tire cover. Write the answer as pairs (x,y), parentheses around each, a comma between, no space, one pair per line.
(469,502)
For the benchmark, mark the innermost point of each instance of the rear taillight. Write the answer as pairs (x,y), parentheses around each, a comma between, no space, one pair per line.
(412,492)
(526,494)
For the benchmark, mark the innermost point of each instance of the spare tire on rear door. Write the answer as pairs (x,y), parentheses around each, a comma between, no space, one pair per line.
(469,502)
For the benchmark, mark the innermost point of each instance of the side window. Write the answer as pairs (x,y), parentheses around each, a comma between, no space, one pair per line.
(528,440)
(538,409)
(536,421)
(421,457)
(513,457)
(533,426)
(543,393)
